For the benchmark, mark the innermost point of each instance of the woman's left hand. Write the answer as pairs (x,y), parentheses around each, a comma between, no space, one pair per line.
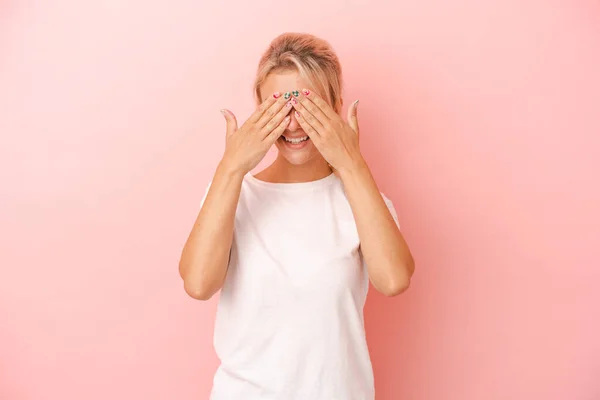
(336,139)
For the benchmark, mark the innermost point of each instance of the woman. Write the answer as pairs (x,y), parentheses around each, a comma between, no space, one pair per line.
(293,248)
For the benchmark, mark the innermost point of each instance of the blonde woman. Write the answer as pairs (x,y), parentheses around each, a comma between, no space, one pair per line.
(293,248)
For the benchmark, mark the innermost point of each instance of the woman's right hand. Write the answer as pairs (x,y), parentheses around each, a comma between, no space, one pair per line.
(246,147)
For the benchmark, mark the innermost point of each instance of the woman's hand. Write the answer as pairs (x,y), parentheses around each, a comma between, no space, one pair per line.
(246,146)
(336,139)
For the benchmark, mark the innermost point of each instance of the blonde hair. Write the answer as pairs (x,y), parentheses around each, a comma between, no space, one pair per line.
(312,57)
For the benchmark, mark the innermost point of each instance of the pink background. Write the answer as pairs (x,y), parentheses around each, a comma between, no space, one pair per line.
(480,120)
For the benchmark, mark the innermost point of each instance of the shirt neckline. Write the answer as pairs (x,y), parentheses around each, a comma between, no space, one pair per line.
(329,179)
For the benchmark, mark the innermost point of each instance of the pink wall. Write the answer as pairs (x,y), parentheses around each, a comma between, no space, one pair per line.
(480,120)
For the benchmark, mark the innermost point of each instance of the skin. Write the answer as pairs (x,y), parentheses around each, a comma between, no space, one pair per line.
(302,165)
(333,141)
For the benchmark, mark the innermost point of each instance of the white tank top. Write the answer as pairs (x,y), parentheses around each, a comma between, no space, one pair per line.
(289,322)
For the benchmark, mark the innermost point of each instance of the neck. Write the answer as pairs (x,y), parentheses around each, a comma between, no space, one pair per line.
(281,171)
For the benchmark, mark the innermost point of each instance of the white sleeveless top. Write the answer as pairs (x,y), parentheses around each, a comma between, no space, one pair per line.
(289,322)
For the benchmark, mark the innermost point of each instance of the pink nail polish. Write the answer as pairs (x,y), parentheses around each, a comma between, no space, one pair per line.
(288,104)
(294,101)
(297,114)
(276,95)
(306,92)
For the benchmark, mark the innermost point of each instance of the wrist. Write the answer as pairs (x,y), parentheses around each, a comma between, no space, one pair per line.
(230,170)
(356,165)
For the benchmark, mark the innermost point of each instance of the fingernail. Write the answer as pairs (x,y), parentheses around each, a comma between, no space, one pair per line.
(294,101)
(297,114)
(286,95)
(288,104)
(306,92)
(296,93)
(276,95)
(224,112)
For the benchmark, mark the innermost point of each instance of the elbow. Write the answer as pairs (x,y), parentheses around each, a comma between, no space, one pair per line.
(198,282)
(401,282)
(194,287)
(198,292)
(396,287)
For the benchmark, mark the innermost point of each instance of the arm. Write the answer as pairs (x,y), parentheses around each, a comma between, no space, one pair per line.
(205,256)
(389,262)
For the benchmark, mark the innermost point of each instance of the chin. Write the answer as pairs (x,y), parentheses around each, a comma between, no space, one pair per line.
(298,157)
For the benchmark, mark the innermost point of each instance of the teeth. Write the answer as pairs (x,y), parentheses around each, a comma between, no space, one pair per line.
(296,140)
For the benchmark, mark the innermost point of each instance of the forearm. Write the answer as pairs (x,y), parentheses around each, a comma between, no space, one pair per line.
(388,258)
(205,256)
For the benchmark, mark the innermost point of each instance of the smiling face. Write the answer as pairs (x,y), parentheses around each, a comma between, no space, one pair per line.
(294,145)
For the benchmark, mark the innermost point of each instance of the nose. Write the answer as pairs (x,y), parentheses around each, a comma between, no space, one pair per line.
(294,125)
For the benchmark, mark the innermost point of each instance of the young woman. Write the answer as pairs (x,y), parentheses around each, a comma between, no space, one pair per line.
(293,248)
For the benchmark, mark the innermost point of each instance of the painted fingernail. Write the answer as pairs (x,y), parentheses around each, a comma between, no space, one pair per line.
(306,92)
(296,93)
(288,104)
(286,95)
(276,95)
(297,114)
(294,101)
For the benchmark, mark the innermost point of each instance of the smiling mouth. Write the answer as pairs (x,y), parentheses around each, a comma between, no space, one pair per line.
(295,140)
